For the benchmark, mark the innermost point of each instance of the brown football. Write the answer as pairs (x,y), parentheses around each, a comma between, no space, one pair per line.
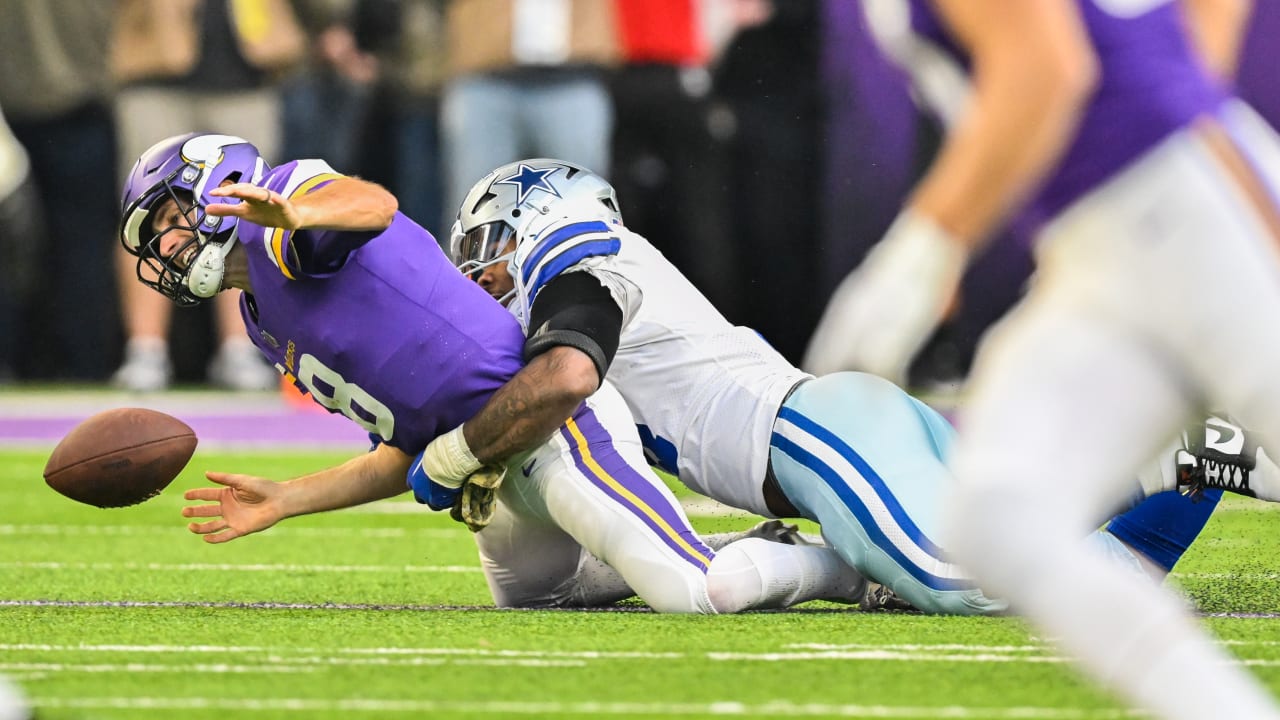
(120,457)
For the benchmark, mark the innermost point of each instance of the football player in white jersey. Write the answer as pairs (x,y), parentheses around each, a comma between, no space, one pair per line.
(716,405)
(1157,289)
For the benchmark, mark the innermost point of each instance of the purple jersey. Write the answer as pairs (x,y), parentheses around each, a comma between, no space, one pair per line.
(377,326)
(1152,83)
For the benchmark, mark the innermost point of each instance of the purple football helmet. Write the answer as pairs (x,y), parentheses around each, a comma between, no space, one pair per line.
(185,168)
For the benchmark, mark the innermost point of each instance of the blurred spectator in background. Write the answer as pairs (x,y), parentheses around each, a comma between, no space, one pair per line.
(20,237)
(526,79)
(768,77)
(187,65)
(669,139)
(325,100)
(401,133)
(57,96)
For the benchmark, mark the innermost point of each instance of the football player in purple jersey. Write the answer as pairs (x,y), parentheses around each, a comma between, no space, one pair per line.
(358,305)
(1158,280)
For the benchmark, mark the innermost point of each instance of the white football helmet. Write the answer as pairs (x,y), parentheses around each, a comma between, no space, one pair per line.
(526,194)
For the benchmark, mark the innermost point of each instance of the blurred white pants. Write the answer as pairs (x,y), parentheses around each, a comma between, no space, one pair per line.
(1157,297)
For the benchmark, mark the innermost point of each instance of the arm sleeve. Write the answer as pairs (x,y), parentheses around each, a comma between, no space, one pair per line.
(576,310)
(312,252)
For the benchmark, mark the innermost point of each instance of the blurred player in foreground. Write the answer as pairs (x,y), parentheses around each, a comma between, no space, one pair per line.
(719,408)
(358,304)
(1158,285)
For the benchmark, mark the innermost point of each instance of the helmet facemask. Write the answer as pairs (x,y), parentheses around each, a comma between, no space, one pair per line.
(170,275)
(183,169)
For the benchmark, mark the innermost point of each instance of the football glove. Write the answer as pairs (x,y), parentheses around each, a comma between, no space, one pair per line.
(479,498)
(437,475)
(882,314)
(427,491)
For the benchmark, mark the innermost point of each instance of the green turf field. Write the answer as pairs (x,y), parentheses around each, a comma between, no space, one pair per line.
(380,612)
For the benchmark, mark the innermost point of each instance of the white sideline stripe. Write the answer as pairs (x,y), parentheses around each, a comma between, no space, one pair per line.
(283,567)
(541,658)
(155,668)
(283,665)
(887,655)
(428,661)
(912,647)
(283,652)
(769,709)
(127,530)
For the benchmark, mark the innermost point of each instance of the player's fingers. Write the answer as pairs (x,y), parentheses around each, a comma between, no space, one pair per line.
(204,493)
(205,528)
(202,510)
(223,210)
(222,537)
(244,191)
(228,479)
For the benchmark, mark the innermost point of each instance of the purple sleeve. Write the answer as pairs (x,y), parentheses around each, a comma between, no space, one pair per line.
(311,252)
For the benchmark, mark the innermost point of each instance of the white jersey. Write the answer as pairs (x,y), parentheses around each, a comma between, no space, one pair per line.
(704,393)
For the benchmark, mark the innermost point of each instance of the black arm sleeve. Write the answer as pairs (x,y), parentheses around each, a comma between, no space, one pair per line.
(574,309)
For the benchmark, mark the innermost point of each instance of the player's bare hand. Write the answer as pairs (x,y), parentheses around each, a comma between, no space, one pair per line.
(243,505)
(258,205)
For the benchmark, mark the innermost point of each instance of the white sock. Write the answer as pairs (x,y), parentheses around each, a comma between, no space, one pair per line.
(147,345)
(755,574)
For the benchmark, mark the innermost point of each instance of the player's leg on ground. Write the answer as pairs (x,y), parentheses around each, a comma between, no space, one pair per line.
(859,456)
(1044,455)
(529,562)
(1161,528)
(592,481)
(749,576)
(754,573)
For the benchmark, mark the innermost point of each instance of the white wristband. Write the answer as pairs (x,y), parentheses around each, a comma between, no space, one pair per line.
(448,460)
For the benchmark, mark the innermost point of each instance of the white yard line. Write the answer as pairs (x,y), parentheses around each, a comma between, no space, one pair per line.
(509,708)
(282,653)
(339,532)
(217,668)
(951,652)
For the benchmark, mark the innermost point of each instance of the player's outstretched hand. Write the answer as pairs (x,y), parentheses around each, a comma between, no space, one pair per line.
(259,205)
(243,505)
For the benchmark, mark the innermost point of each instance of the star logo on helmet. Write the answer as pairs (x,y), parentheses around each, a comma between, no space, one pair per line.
(528,179)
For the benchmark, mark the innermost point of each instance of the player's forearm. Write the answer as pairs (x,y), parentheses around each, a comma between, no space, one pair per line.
(1217,30)
(1028,91)
(347,204)
(373,476)
(523,413)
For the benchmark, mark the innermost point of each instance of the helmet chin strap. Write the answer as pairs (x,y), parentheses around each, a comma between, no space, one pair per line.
(204,280)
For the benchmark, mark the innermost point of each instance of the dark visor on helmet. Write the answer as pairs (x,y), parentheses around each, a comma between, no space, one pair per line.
(484,244)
